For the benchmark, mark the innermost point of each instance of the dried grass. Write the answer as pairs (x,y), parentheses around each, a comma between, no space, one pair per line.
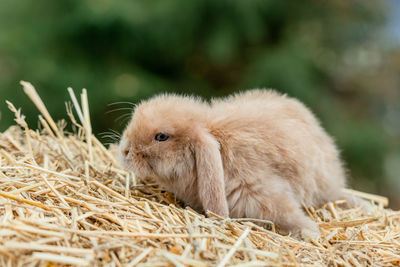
(66,200)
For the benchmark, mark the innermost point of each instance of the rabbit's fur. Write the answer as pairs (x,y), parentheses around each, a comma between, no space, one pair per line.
(257,154)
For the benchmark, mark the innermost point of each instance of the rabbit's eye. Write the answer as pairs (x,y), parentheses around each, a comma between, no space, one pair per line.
(161,137)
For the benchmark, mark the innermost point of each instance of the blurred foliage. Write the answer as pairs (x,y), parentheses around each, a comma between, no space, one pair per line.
(332,55)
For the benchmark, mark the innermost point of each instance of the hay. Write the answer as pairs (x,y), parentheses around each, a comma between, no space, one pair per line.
(66,200)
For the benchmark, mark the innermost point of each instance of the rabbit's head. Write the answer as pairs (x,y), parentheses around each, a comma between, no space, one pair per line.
(159,139)
(168,139)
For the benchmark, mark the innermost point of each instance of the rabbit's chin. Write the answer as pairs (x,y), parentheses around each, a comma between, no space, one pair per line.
(129,165)
(125,164)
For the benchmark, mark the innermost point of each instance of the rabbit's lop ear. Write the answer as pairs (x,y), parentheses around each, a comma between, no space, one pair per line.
(210,174)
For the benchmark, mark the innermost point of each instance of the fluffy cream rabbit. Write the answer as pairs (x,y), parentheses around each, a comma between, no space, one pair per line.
(257,154)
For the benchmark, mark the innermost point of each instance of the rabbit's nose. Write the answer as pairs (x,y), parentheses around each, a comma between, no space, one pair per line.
(125,147)
(125,151)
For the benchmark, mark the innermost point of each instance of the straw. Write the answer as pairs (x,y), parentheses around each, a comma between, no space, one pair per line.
(65,200)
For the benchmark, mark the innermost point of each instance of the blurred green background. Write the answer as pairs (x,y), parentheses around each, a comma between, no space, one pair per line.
(342,58)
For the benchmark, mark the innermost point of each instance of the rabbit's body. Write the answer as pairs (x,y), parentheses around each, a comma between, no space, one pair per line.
(295,149)
(257,154)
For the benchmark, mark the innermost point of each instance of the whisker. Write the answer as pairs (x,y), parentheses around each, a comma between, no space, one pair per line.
(111,132)
(118,109)
(124,122)
(121,102)
(109,143)
(114,131)
(110,137)
(123,116)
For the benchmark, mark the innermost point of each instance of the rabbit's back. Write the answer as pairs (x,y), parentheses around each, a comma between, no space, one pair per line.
(270,140)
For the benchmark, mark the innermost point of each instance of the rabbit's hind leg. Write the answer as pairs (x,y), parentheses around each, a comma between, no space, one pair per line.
(282,208)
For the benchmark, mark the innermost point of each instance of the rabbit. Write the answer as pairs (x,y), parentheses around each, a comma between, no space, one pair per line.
(256,154)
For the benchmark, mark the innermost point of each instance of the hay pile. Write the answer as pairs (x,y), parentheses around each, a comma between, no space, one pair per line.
(64,199)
